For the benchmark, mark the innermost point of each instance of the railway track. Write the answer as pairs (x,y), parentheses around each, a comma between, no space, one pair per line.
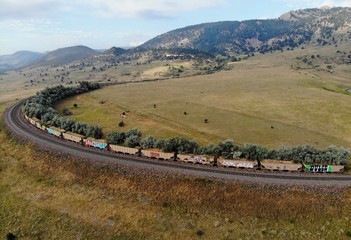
(15,123)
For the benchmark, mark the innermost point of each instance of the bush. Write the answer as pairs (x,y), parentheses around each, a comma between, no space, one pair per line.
(179,144)
(66,112)
(227,148)
(116,138)
(121,124)
(254,152)
(148,142)
(132,141)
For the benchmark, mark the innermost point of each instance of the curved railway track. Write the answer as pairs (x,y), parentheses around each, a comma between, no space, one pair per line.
(15,123)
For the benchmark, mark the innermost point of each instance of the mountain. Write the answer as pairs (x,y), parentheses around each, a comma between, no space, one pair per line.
(116,51)
(65,55)
(317,26)
(18,60)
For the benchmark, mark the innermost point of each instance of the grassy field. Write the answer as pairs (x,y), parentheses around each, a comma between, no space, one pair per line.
(47,196)
(263,100)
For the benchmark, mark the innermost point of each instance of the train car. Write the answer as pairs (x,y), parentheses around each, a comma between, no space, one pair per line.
(157,155)
(55,131)
(74,137)
(194,159)
(96,143)
(124,150)
(40,126)
(286,166)
(26,117)
(315,168)
(238,164)
(43,127)
(33,120)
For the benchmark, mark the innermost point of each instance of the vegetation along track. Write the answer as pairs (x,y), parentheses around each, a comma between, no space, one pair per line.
(15,123)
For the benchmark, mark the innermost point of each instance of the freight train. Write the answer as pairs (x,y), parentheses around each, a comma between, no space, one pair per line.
(267,165)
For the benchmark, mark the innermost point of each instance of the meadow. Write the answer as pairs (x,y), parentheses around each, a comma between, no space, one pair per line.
(264,100)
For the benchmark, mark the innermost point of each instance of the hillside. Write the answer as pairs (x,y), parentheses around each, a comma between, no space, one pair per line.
(65,55)
(18,60)
(315,26)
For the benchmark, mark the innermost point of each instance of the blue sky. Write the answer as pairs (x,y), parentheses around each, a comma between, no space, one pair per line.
(45,25)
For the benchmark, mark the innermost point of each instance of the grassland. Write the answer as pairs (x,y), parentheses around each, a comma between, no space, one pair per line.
(48,196)
(264,100)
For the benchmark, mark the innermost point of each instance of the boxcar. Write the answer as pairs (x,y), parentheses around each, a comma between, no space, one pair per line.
(74,137)
(55,131)
(96,143)
(157,155)
(124,150)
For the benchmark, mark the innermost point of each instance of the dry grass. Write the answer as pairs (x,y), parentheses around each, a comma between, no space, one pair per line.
(242,104)
(49,196)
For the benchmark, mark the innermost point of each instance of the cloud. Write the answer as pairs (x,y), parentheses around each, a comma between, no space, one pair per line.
(144,9)
(317,3)
(18,9)
(149,9)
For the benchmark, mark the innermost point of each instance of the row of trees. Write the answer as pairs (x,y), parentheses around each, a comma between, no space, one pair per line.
(229,150)
(42,104)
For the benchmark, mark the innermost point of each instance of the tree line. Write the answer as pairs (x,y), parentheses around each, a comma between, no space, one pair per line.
(42,104)
(229,150)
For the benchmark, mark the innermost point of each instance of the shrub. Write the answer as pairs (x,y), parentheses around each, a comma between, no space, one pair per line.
(227,148)
(254,152)
(121,124)
(66,112)
(148,142)
(116,138)
(132,141)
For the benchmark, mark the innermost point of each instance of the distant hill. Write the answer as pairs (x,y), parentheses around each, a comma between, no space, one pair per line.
(116,51)
(65,55)
(317,26)
(18,60)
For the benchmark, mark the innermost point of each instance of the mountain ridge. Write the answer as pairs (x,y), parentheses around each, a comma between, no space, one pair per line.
(17,60)
(65,55)
(289,30)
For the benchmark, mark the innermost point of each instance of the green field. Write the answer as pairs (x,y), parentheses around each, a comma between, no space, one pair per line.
(262,100)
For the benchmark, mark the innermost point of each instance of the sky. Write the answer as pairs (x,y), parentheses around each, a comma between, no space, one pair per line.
(45,25)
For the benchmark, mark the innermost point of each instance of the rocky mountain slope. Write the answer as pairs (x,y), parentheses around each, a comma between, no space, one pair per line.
(316,26)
